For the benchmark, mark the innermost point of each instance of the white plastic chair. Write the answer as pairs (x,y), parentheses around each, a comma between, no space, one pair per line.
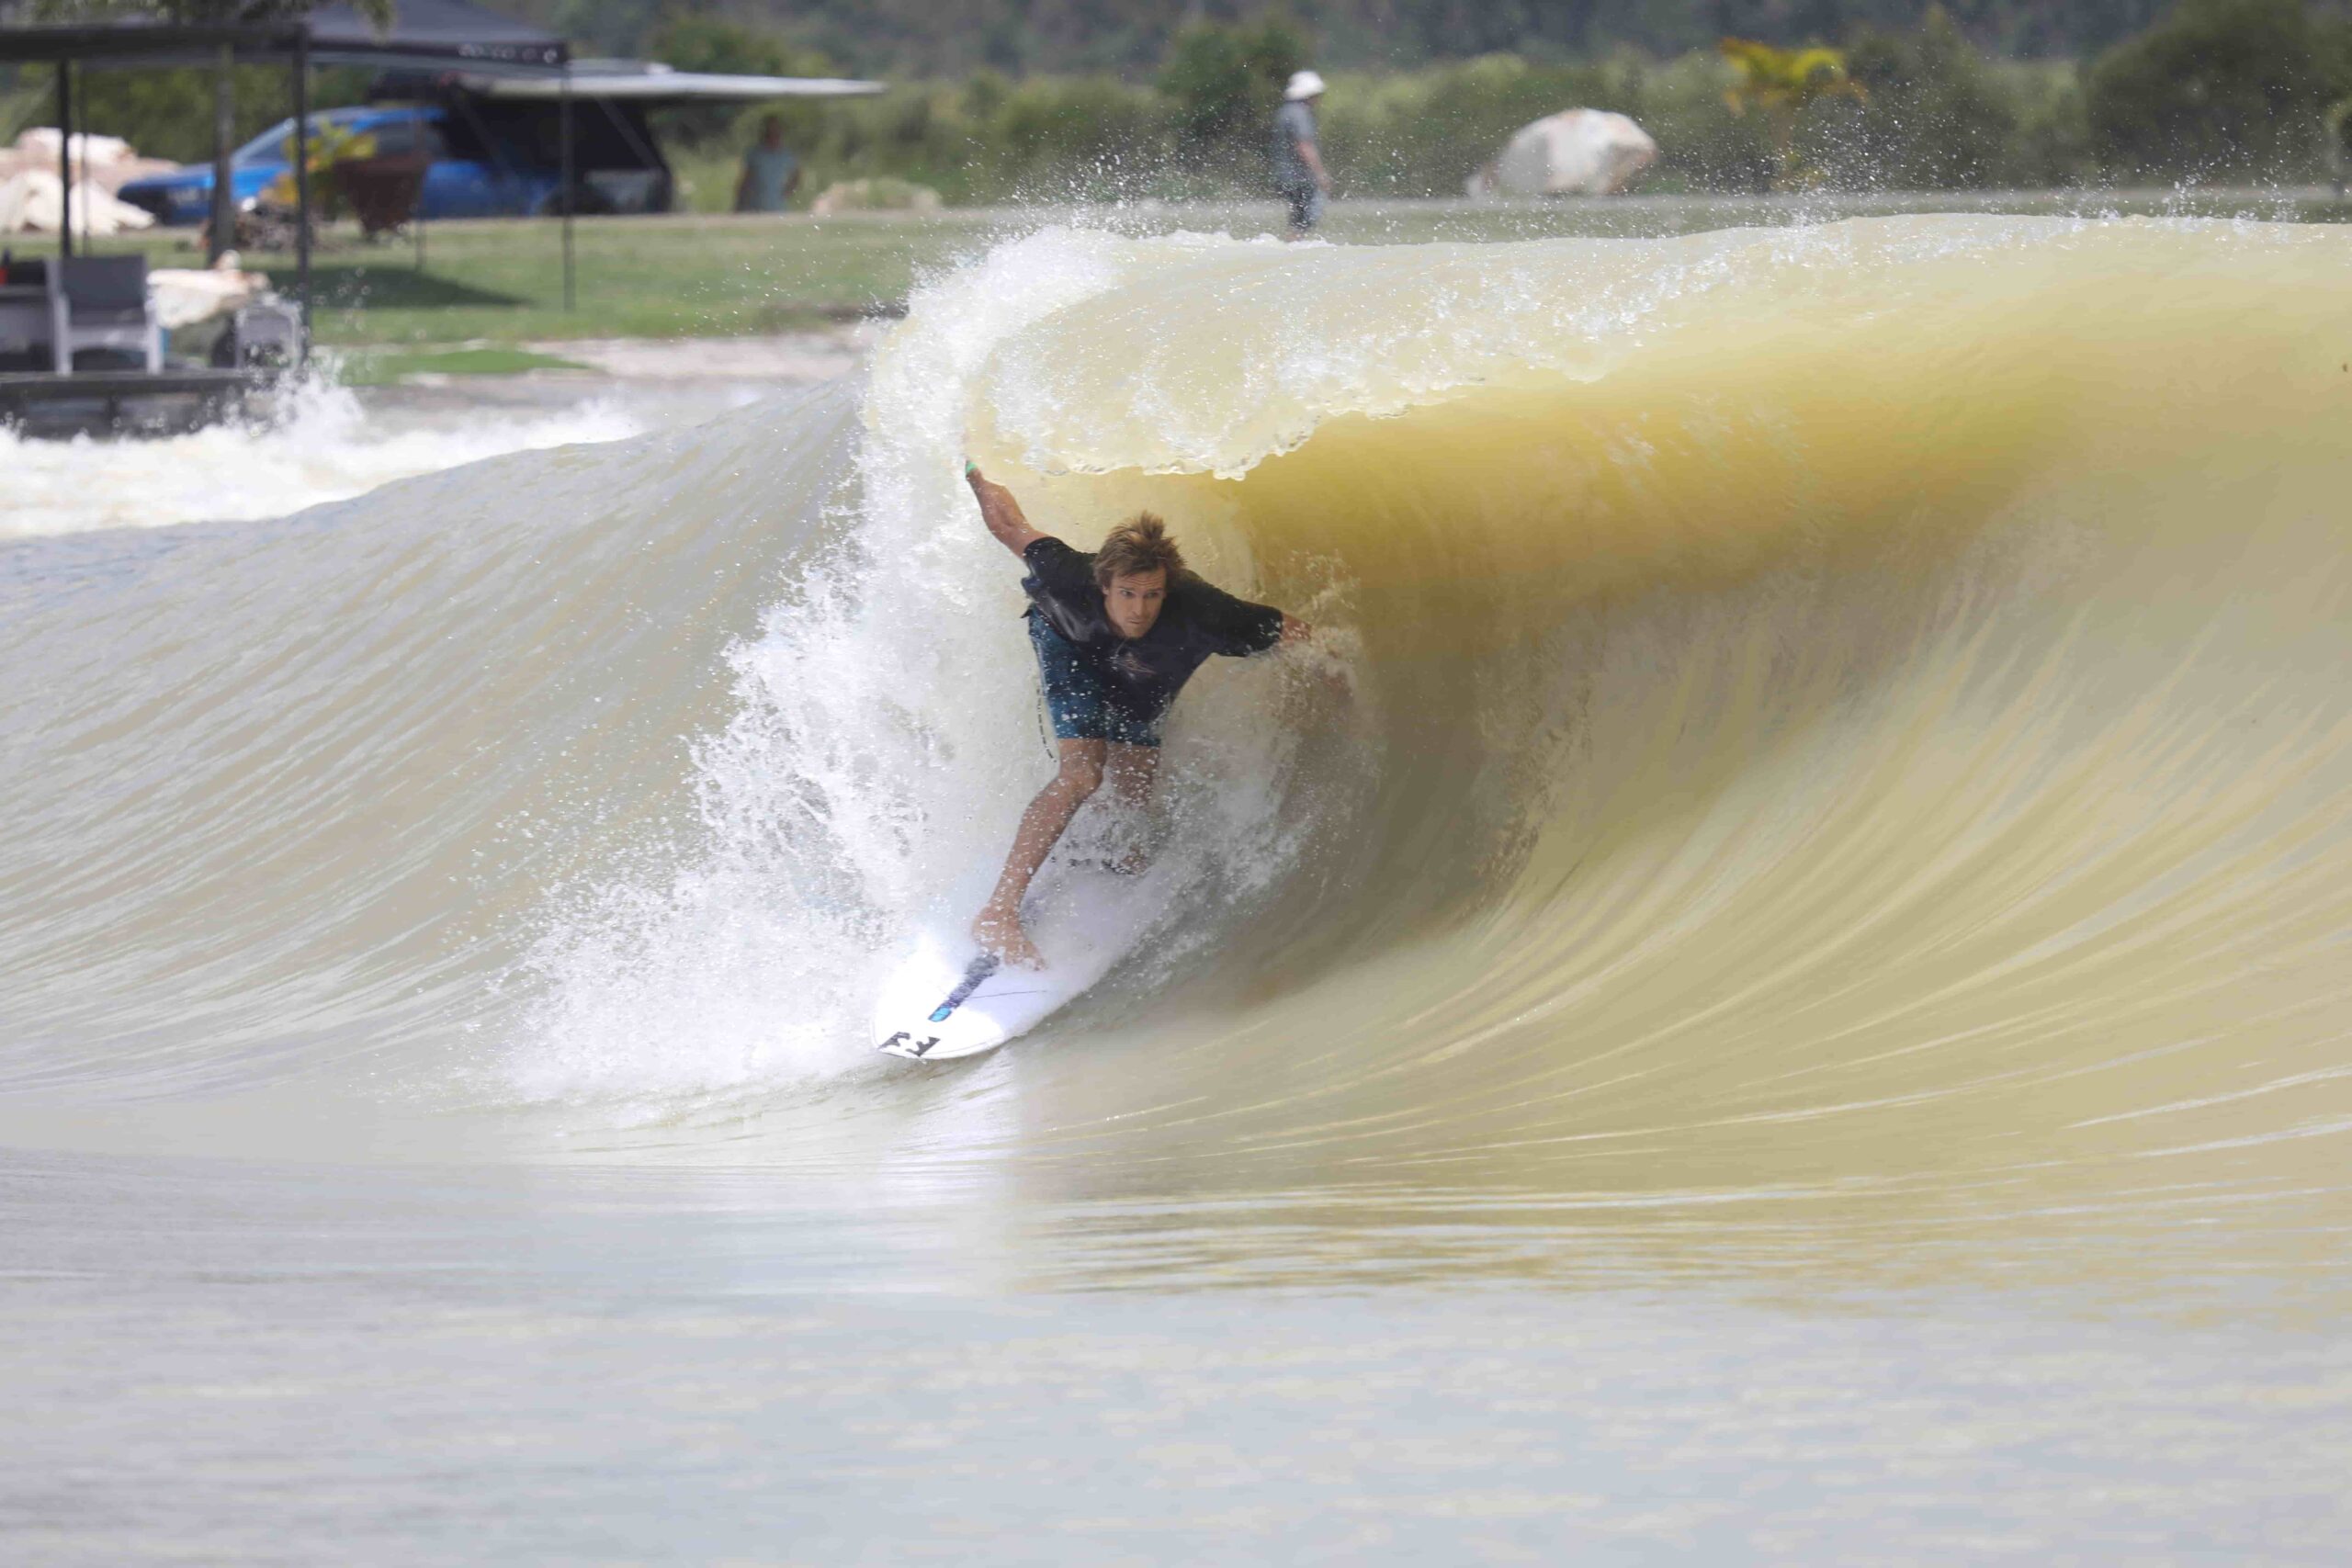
(101,302)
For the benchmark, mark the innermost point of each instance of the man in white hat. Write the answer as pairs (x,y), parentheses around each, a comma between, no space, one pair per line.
(1299,174)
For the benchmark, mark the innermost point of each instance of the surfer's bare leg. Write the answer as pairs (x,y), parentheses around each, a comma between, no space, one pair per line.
(1131,771)
(999,928)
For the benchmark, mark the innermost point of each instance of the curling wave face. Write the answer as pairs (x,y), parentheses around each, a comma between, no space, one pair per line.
(1840,725)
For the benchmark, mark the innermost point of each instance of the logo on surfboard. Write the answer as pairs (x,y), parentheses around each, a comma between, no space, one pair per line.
(904,1044)
(982,968)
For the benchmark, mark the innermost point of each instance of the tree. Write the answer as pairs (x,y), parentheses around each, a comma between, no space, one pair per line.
(693,42)
(2219,87)
(210,13)
(2338,123)
(1777,85)
(1933,118)
(1225,81)
(202,13)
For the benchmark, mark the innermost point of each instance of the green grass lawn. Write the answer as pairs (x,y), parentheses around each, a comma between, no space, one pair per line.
(380,366)
(486,283)
(501,281)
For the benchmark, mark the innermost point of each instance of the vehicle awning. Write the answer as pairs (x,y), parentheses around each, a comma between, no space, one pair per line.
(447,32)
(650,83)
(432,29)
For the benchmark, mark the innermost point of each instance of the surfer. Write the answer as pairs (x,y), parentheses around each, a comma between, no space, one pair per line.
(1117,634)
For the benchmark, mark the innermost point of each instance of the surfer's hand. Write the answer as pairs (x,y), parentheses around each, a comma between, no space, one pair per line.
(984,487)
(998,930)
(1324,664)
(1000,511)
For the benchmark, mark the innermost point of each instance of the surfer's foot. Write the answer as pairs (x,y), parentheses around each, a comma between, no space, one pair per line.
(998,932)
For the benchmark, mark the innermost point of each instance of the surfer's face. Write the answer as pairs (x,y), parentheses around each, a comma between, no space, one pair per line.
(1133,602)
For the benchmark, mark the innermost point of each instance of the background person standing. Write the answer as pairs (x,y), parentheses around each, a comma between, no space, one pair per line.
(1299,175)
(771,173)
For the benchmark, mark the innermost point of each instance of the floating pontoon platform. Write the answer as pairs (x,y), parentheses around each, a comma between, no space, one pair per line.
(129,400)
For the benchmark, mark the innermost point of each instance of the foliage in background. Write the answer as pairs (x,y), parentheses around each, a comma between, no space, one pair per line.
(2217,88)
(1424,133)
(2337,140)
(1202,129)
(20,103)
(695,42)
(1778,87)
(1939,116)
(2220,87)
(938,39)
(168,113)
(200,13)
(327,145)
(1223,85)
(2233,89)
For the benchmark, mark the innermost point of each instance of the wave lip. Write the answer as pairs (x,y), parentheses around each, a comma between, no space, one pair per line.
(1851,704)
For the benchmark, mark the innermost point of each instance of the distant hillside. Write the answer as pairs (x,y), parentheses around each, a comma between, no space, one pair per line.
(951,38)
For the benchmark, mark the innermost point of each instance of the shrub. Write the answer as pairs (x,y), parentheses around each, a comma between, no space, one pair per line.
(693,42)
(1932,117)
(1426,133)
(1223,82)
(2219,87)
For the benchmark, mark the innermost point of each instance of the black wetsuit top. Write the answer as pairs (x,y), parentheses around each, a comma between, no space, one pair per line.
(1141,676)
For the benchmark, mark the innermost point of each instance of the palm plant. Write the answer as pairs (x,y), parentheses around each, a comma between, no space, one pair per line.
(1780,84)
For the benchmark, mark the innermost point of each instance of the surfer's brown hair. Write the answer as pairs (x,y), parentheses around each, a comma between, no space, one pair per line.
(1139,544)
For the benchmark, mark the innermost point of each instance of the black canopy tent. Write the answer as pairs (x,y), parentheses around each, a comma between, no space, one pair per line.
(435,31)
(443,34)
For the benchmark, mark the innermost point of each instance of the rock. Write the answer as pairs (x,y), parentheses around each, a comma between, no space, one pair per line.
(41,142)
(1574,153)
(107,162)
(32,200)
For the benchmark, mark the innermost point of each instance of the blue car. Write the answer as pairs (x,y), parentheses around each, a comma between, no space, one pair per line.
(489,159)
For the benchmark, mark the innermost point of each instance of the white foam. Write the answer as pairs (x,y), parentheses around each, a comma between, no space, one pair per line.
(885,744)
(324,448)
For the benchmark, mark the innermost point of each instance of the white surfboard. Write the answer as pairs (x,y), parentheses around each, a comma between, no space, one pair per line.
(947,1000)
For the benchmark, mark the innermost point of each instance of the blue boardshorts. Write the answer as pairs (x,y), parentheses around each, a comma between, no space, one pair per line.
(1081,708)
(1306,205)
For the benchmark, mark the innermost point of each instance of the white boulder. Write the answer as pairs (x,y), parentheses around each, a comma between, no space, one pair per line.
(1574,153)
(107,162)
(32,202)
(41,142)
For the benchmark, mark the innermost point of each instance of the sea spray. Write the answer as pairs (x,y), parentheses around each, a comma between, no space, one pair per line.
(886,741)
(322,446)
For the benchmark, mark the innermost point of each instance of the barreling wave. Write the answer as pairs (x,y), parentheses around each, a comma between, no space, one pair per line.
(1844,709)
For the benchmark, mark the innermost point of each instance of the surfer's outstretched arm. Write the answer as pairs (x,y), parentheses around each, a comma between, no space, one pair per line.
(1001,513)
